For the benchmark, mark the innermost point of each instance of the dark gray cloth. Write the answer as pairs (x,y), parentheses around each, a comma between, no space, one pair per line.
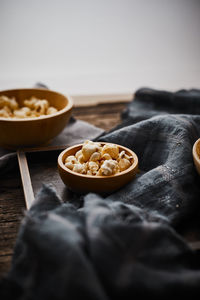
(128,244)
(168,182)
(149,102)
(161,128)
(105,250)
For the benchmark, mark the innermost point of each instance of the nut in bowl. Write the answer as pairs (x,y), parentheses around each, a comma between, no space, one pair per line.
(196,155)
(97,167)
(32,117)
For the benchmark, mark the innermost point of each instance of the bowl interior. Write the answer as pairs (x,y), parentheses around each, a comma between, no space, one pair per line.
(55,99)
(72,150)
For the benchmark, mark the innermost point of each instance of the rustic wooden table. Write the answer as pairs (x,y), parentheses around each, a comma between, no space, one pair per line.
(12,204)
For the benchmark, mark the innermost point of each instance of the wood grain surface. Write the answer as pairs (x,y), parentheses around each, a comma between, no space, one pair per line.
(12,204)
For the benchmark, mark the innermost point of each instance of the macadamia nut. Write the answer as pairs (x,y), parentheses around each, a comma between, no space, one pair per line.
(93,167)
(33,107)
(89,148)
(71,159)
(124,164)
(108,167)
(93,159)
(95,156)
(111,149)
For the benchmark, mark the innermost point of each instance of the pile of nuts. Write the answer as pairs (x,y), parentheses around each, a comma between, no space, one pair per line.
(98,160)
(33,107)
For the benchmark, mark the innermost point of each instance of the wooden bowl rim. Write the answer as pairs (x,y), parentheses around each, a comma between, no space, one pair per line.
(60,112)
(194,151)
(131,168)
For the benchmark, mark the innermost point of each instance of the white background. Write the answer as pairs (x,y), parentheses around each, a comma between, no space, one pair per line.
(100,46)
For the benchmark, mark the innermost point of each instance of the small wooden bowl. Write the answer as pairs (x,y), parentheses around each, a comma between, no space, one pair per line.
(196,155)
(98,184)
(15,133)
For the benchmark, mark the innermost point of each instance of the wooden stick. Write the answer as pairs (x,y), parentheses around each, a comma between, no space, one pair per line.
(26,180)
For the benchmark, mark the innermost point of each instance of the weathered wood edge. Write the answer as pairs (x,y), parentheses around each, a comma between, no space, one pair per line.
(26,179)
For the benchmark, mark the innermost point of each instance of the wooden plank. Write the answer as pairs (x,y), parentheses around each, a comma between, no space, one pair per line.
(86,100)
(44,148)
(26,180)
(102,109)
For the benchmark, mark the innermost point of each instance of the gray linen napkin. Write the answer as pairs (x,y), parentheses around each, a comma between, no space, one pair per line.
(127,244)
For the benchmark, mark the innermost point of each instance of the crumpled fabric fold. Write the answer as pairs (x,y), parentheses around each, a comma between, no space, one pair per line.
(127,244)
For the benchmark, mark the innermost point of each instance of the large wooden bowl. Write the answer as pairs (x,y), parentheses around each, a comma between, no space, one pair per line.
(196,155)
(15,133)
(98,184)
